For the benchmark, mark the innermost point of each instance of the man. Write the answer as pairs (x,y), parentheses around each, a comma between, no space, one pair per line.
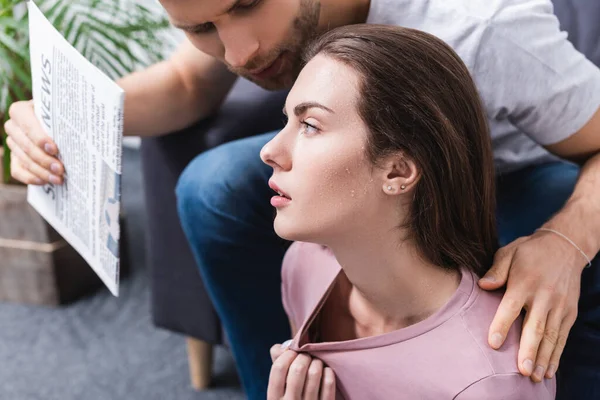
(541,95)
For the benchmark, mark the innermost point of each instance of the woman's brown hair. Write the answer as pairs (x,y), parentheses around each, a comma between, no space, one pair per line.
(417,97)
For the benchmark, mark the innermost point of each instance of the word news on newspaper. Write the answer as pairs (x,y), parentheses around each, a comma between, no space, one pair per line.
(82,110)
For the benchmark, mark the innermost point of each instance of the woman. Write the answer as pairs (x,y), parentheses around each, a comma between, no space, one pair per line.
(386,162)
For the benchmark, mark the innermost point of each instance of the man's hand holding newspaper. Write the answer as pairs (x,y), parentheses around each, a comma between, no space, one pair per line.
(67,144)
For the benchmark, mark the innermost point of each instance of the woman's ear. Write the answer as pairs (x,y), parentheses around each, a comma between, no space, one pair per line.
(399,174)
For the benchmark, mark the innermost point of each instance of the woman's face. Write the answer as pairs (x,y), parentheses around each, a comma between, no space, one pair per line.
(319,159)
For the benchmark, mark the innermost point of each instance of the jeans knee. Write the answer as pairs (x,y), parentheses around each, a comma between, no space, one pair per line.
(201,182)
(215,180)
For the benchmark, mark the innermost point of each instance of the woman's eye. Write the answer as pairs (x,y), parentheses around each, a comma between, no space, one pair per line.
(308,129)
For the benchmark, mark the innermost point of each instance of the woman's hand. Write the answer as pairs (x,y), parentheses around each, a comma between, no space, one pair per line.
(543,276)
(299,376)
(33,152)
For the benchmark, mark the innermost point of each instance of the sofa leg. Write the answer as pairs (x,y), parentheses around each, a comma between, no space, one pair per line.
(200,357)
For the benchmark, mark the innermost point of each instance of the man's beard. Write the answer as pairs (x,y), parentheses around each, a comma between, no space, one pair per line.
(305,29)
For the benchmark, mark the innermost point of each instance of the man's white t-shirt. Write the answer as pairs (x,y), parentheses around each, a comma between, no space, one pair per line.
(537,89)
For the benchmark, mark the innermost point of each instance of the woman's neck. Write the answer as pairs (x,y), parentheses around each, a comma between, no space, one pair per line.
(389,287)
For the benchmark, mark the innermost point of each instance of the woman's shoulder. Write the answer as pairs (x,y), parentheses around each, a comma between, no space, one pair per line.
(477,318)
(504,377)
(508,387)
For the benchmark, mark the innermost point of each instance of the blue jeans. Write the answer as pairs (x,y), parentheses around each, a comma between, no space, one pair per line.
(223,201)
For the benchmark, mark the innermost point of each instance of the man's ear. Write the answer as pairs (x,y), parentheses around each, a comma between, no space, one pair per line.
(399,174)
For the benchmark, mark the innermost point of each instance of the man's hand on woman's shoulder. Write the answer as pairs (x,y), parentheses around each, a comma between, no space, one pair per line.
(542,274)
(297,376)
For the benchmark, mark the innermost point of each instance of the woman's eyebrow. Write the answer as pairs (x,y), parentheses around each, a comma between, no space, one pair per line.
(302,107)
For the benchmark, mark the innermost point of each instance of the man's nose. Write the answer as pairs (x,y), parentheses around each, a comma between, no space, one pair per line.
(240,47)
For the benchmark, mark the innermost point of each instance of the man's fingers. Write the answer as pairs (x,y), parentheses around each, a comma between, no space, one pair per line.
(22,175)
(508,311)
(296,377)
(563,333)
(278,375)
(23,114)
(26,163)
(19,140)
(534,328)
(497,275)
(548,344)
(328,385)
(313,380)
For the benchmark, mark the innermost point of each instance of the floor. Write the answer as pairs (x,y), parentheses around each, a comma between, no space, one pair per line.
(102,347)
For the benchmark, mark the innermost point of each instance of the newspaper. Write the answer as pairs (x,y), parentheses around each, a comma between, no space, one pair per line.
(82,110)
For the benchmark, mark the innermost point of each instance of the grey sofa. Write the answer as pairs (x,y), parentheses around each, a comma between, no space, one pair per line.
(179,300)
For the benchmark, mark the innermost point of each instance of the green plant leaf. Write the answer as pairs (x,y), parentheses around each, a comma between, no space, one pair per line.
(116,35)
(12,45)
(57,14)
(18,69)
(6,152)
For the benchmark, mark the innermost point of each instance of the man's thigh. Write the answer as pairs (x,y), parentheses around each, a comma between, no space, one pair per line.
(529,197)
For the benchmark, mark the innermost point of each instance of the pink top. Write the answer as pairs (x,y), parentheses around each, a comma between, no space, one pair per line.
(445,356)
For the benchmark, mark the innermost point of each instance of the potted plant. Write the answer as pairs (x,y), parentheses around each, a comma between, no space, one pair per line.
(117,36)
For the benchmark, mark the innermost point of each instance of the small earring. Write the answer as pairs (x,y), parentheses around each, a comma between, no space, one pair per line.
(389,188)
(403,187)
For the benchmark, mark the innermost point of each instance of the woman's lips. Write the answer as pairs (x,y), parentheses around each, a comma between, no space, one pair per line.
(270,71)
(282,199)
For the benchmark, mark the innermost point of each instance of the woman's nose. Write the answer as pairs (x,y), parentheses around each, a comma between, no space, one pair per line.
(266,155)
(275,154)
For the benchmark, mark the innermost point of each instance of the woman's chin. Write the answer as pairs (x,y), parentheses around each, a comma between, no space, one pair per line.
(289,230)
(285,232)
